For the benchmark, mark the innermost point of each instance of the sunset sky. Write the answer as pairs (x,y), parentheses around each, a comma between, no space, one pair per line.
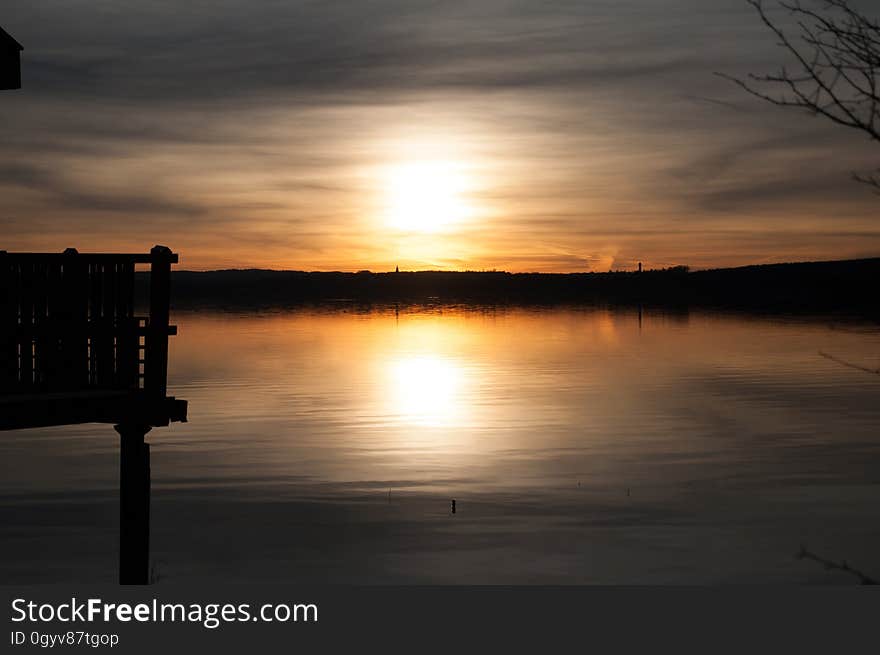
(554,136)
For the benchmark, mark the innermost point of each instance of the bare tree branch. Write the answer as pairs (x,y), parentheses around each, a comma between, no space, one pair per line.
(836,52)
(803,553)
(843,362)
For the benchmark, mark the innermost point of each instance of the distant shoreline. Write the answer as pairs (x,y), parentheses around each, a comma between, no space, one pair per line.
(849,286)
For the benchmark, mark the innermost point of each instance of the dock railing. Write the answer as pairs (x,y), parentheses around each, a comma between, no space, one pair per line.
(69,326)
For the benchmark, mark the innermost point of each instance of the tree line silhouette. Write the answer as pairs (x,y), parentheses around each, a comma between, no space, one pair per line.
(838,286)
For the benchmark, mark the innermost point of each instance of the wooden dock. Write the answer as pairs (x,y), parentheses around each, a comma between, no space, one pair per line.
(74,350)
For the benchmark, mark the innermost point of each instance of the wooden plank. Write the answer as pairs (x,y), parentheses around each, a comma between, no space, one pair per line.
(102,328)
(19,412)
(135,258)
(8,324)
(100,258)
(127,337)
(94,318)
(26,320)
(53,365)
(73,315)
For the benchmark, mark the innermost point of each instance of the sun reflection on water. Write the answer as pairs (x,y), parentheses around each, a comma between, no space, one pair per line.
(426,390)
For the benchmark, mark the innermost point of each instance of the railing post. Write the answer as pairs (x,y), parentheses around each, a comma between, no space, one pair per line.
(134,504)
(72,315)
(156,356)
(8,325)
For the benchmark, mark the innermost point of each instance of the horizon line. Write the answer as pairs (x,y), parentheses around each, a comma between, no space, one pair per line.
(690,269)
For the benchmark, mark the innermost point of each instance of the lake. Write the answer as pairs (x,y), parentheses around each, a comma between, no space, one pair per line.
(581,445)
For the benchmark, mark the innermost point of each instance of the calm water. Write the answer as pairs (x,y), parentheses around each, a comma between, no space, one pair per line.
(582,446)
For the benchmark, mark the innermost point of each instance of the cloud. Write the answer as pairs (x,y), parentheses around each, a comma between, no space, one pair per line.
(79,197)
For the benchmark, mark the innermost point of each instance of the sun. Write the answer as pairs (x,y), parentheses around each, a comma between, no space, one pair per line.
(425,196)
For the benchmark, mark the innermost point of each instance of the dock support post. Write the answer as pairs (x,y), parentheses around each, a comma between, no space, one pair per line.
(156,366)
(134,504)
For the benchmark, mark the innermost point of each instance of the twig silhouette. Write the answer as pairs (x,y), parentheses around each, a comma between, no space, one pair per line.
(834,566)
(835,50)
(843,362)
